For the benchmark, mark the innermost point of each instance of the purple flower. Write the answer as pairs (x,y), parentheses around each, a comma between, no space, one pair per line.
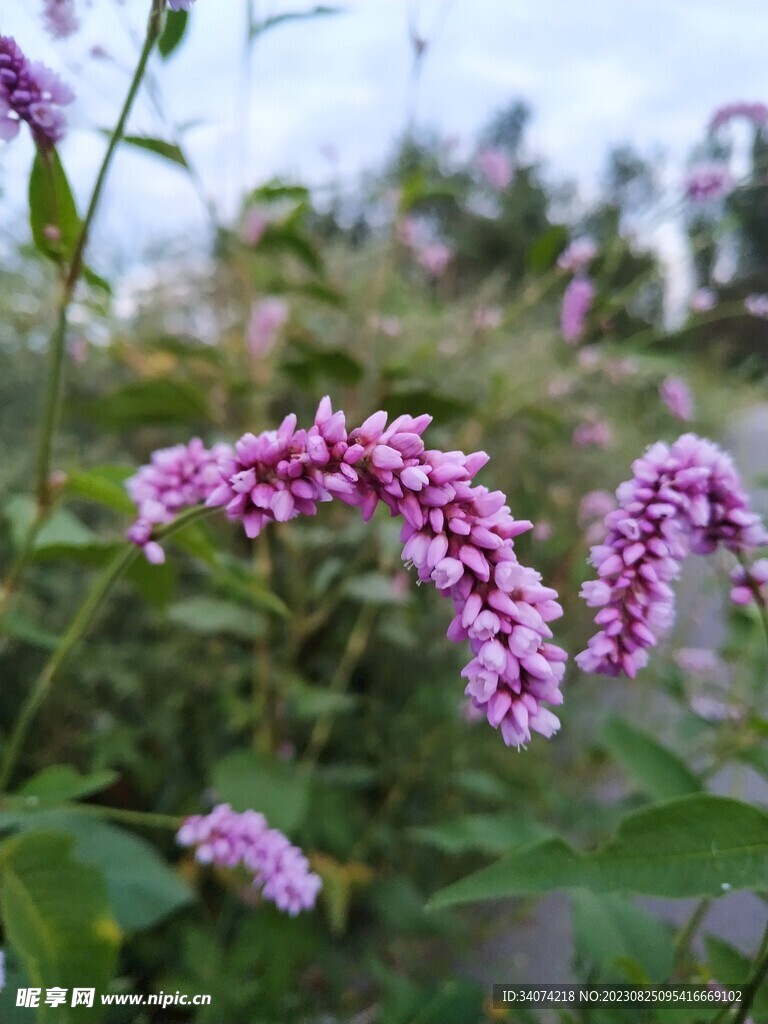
(683,498)
(708,183)
(227,839)
(757,113)
(487,318)
(266,320)
(757,305)
(578,255)
(496,167)
(577,302)
(60,18)
(435,258)
(703,300)
(749,583)
(30,92)
(459,536)
(677,397)
(593,430)
(697,661)
(175,479)
(180,5)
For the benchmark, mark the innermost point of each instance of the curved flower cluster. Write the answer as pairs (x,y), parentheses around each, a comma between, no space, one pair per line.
(175,479)
(229,840)
(30,92)
(457,535)
(687,497)
(60,18)
(708,183)
(577,302)
(757,113)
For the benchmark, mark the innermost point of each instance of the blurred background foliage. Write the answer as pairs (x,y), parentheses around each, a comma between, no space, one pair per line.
(305,674)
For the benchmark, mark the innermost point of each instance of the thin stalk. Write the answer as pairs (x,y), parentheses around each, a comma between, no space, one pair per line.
(684,939)
(74,633)
(141,819)
(356,643)
(758,976)
(57,346)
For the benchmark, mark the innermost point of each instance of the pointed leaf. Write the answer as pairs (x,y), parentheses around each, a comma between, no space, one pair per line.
(655,770)
(697,845)
(173,33)
(52,211)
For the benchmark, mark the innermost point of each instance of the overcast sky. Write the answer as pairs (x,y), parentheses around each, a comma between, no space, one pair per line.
(597,72)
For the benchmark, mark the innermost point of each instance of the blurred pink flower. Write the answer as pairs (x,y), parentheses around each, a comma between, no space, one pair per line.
(757,113)
(496,167)
(697,661)
(390,326)
(255,223)
(589,357)
(757,305)
(593,431)
(577,302)
(408,232)
(708,183)
(559,387)
(702,300)
(677,397)
(487,318)
(542,530)
(266,320)
(435,258)
(578,255)
(60,18)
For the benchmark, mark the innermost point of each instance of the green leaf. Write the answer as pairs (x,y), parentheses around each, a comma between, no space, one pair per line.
(20,626)
(276,191)
(655,770)
(52,205)
(258,28)
(210,616)
(104,485)
(58,784)
(167,150)
(61,535)
(442,407)
(547,247)
(173,33)
(308,365)
(696,845)
(141,889)
(609,929)
(490,833)
(274,788)
(149,402)
(56,916)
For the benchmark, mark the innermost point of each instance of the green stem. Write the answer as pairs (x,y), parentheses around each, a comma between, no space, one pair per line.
(684,939)
(759,974)
(76,630)
(57,346)
(142,819)
(356,643)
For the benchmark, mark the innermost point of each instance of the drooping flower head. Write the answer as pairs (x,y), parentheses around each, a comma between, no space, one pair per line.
(30,92)
(177,478)
(577,302)
(757,113)
(60,18)
(708,183)
(228,839)
(457,535)
(677,397)
(684,498)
